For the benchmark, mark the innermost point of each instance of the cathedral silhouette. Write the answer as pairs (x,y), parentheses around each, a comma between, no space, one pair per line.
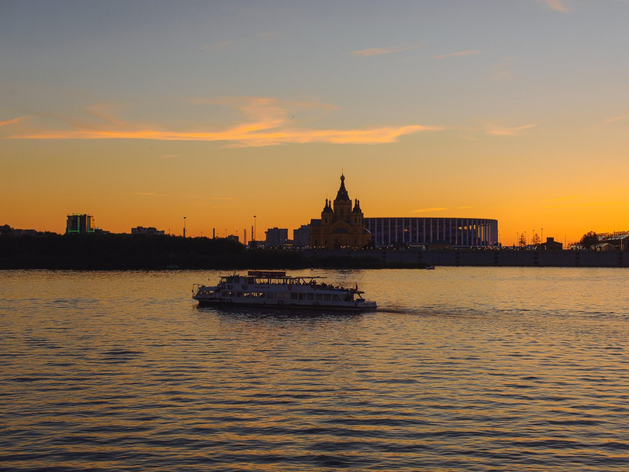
(341,225)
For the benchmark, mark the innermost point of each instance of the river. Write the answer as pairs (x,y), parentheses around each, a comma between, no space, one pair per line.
(461,369)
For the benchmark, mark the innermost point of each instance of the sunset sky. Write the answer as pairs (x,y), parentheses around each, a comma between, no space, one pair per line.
(143,112)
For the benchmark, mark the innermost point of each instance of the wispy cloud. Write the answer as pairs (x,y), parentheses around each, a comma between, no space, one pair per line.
(424,210)
(384,50)
(563,199)
(217,45)
(582,205)
(269,35)
(557,5)
(615,119)
(151,194)
(12,121)
(502,70)
(501,131)
(574,201)
(468,52)
(266,122)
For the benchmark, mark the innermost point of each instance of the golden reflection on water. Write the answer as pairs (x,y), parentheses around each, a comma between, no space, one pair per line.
(463,368)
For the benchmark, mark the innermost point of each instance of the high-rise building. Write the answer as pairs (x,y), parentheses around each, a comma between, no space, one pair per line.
(301,236)
(80,224)
(276,237)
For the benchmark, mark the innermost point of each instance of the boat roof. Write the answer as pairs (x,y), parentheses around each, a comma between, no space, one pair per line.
(266,273)
(274,274)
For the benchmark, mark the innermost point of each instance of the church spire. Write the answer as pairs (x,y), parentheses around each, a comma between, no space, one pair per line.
(357,206)
(342,193)
(327,208)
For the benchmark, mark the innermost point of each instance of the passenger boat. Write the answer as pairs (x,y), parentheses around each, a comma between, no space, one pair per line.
(276,289)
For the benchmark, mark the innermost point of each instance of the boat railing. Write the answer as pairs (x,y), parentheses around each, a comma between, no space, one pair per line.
(279,278)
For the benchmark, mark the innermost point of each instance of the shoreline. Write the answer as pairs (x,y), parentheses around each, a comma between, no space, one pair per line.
(140,252)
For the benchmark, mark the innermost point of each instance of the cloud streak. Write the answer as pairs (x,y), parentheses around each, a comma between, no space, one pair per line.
(217,45)
(424,210)
(615,119)
(502,70)
(151,194)
(266,123)
(12,121)
(500,131)
(468,52)
(557,5)
(385,50)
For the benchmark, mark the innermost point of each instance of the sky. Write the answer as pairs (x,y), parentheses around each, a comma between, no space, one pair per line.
(142,113)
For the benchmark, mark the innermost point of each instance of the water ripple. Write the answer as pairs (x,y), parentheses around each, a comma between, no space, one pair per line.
(463,370)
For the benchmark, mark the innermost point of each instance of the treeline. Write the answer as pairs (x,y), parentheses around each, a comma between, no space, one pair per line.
(155,252)
(114,251)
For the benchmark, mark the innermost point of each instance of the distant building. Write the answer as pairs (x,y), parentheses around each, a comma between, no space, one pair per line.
(6,230)
(301,236)
(233,237)
(454,232)
(620,240)
(276,237)
(341,225)
(604,247)
(80,224)
(550,245)
(25,232)
(150,231)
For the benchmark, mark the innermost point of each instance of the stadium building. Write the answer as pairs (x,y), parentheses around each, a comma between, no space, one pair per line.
(455,232)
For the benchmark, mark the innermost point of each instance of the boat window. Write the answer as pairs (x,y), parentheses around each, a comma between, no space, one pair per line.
(230,286)
(246,294)
(336,298)
(327,297)
(311,296)
(319,297)
(261,294)
(286,296)
(251,280)
(302,296)
(239,294)
(293,296)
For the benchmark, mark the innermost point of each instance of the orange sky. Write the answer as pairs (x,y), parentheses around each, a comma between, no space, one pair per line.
(218,112)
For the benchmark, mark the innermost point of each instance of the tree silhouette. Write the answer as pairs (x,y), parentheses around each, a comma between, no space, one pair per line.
(589,239)
(522,240)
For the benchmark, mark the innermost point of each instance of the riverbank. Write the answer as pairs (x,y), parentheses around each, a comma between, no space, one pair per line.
(142,252)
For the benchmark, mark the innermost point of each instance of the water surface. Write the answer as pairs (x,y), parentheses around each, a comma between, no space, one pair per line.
(462,369)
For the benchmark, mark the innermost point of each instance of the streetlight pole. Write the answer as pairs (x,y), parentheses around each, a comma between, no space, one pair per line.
(184,226)
(254,227)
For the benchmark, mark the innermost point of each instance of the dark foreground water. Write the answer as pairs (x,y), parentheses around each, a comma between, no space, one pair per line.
(463,369)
